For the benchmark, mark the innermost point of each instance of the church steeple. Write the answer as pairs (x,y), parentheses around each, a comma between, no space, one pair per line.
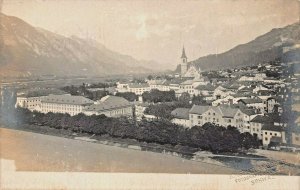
(183,62)
(183,56)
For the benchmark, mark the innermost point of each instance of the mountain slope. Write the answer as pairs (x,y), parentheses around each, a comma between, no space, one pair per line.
(265,48)
(26,50)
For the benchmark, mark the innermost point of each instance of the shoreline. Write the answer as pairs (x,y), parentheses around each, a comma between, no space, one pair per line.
(242,164)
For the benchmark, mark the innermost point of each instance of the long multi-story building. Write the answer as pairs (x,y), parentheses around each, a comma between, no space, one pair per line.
(72,105)
(32,99)
(220,115)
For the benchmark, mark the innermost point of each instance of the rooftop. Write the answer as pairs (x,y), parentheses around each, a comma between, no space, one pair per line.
(208,87)
(250,101)
(181,113)
(271,127)
(67,99)
(199,109)
(138,85)
(261,119)
(107,103)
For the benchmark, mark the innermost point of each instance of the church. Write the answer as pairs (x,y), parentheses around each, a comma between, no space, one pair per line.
(188,70)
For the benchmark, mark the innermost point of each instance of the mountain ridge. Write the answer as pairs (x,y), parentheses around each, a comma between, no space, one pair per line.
(28,50)
(264,48)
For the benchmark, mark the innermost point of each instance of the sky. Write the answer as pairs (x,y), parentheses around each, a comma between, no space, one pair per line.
(157,29)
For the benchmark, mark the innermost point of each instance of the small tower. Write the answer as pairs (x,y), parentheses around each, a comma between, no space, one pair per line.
(183,62)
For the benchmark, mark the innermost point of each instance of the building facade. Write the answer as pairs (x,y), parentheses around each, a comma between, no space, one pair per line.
(72,105)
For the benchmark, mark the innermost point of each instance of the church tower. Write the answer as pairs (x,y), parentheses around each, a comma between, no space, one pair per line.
(183,62)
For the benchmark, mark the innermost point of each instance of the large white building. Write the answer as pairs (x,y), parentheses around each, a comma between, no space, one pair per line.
(111,106)
(221,115)
(72,105)
(32,99)
(138,88)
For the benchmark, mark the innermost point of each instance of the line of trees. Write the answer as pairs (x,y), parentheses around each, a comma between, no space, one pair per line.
(207,137)
(130,96)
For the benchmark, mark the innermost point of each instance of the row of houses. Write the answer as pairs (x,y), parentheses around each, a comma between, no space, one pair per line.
(245,120)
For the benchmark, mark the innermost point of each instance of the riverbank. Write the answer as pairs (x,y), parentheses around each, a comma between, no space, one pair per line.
(39,152)
(257,163)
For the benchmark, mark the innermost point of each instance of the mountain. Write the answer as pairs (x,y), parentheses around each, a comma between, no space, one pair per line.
(26,50)
(265,48)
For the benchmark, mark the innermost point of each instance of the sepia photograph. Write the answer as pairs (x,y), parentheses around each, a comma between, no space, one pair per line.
(140,94)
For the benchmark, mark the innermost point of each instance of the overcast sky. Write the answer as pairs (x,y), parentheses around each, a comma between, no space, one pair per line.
(156,30)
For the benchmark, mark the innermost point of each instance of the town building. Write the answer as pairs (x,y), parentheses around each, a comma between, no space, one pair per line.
(138,88)
(32,99)
(110,106)
(272,134)
(181,117)
(72,105)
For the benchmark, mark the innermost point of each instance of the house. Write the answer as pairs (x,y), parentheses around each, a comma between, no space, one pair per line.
(196,115)
(122,86)
(272,134)
(72,105)
(161,85)
(204,90)
(138,88)
(269,103)
(181,117)
(255,103)
(256,125)
(221,115)
(221,92)
(110,106)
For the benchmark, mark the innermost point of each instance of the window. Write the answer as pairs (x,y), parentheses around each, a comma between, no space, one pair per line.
(229,120)
(275,134)
(266,133)
(270,133)
(266,138)
(208,113)
(214,113)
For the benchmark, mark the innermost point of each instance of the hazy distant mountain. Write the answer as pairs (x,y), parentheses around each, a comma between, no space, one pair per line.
(267,47)
(27,50)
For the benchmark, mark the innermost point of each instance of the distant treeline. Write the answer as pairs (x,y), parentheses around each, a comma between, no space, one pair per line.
(207,137)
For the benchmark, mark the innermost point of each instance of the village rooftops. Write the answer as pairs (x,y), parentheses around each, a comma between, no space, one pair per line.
(138,85)
(247,111)
(156,82)
(250,101)
(271,127)
(261,119)
(196,109)
(181,113)
(108,103)
(207,87)
(188,82)
(67,99)
(225,111)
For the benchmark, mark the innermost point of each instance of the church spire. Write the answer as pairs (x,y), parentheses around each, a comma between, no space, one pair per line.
(183,54)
